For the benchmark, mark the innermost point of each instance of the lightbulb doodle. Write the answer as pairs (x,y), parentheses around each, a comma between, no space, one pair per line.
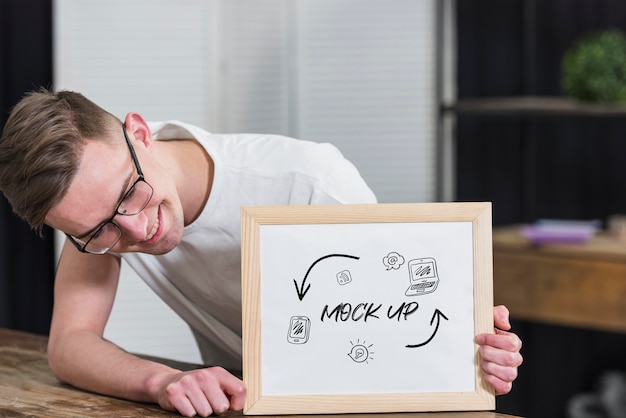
(360,352)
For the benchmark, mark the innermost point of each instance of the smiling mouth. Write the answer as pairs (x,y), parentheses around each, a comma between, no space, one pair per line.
(155,228)
(153,231)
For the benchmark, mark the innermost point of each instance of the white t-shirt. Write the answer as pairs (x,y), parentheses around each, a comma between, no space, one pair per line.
(201,278)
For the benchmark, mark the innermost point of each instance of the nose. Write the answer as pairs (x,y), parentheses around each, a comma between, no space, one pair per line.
(134,227)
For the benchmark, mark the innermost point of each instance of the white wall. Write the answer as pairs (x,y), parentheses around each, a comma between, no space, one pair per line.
(358,73)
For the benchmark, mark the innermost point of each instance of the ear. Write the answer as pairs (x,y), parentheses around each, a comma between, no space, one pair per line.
(137,129)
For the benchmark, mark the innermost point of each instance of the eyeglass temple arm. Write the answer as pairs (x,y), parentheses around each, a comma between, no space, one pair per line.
(132,150)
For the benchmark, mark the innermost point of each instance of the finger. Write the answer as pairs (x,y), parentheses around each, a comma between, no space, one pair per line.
(501,387)
(232,391)
(236,390)
(217,398)
(188,397)
(499,377)
(201,403)
(501,372)
(178,401)
(500,357)
(222,390)
(501,317)
(500,339)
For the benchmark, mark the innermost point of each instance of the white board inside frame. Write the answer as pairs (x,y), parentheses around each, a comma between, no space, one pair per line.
(366,308)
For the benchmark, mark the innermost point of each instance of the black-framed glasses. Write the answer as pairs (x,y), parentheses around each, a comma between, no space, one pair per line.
(134,201)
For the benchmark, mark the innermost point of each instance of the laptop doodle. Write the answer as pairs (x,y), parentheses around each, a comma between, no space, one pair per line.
(423,276)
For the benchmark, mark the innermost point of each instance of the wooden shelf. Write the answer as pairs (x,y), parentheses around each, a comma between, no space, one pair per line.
(532,106)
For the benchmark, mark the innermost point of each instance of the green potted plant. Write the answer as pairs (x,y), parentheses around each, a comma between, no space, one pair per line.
(593,69)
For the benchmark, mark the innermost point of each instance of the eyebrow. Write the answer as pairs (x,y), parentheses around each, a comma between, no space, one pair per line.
(119,201)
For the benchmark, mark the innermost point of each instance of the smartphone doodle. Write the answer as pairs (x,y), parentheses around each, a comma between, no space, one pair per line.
(298,329)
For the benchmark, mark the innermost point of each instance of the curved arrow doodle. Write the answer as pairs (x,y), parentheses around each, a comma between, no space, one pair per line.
(438,314)
(301,290)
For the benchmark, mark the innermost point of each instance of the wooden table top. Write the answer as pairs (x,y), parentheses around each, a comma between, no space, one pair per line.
(577,285)
(28,389)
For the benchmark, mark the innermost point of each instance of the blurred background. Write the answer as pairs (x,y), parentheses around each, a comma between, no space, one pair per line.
(394,85)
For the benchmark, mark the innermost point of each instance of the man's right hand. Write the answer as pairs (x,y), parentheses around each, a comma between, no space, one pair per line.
(202,392)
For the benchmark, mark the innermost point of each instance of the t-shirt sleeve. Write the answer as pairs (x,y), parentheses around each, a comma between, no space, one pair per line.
(343,184)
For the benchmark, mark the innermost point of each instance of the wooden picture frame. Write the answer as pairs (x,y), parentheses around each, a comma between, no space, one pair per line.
(263,223)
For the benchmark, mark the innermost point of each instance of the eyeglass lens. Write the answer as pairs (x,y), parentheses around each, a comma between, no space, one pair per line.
(135,200)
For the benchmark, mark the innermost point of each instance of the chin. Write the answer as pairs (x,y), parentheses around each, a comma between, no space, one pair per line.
(166,240)
(166,244)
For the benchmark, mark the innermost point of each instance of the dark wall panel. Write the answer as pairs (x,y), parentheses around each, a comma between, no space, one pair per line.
(26,260)
(541,167)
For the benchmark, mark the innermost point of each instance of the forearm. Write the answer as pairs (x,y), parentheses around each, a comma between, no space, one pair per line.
(85,360)
(85,288)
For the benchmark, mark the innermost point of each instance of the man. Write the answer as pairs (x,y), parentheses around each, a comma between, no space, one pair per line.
(166,198)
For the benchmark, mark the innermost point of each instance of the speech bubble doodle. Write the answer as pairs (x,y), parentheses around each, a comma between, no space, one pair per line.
(393,260)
